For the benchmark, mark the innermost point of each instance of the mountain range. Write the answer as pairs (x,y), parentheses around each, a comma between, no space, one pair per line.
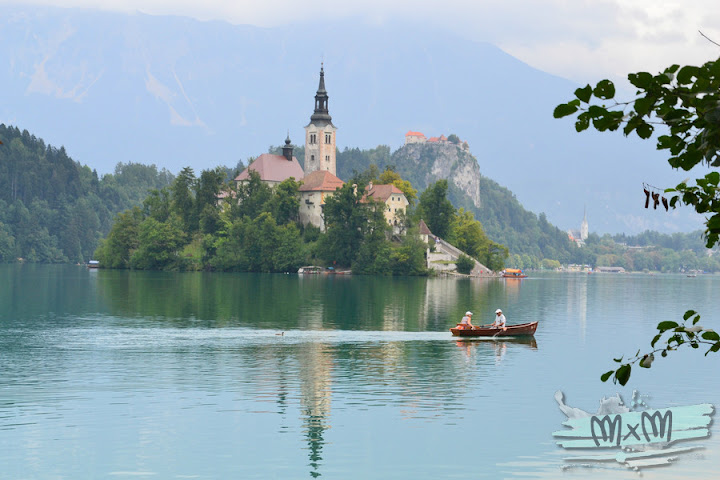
(176,92)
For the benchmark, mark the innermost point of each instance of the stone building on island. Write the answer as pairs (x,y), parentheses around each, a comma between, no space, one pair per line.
(393,201)
(316,188)
(319,180)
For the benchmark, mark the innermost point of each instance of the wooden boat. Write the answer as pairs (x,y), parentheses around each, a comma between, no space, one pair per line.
(513,273)
(522,329)
(93,264)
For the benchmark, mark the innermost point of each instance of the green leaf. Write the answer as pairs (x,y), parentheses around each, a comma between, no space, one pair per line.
(714,348)
(667,325)
(686,74)
(605,89)
(622,374)
(711,335)
(583,122)
(563,110)
(713,178)
(696,319)
(618,360)
(640,80)
(604,377)
(644,131)
(584,93)
(689,314)
(655,339)
(643,105)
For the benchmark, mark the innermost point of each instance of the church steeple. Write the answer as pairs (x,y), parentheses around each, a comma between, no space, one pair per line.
(320,134)
(584,226)
(321,102)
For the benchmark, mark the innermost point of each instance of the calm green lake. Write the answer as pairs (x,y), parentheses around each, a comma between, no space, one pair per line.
(116,374)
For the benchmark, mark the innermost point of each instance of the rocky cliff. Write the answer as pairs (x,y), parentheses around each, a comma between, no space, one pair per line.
(426,163)
(503,218)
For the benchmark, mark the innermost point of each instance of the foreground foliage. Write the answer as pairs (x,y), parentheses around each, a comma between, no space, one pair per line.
(685,103)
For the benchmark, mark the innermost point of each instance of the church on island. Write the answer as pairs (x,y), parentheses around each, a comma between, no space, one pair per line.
(319,175)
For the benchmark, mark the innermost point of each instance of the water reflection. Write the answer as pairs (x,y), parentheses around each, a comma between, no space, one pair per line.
(498,348)
(315,386)
(306,302)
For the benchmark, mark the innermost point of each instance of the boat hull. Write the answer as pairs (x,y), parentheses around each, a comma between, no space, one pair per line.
(523,329)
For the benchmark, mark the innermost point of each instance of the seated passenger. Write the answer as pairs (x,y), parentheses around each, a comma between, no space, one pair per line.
(466,322)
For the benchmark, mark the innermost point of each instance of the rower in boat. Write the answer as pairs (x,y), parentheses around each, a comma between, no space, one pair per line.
(499,320)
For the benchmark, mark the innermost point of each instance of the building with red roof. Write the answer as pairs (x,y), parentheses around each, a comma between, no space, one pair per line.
(393,199)
(414,137)
(316,188)
(274,169)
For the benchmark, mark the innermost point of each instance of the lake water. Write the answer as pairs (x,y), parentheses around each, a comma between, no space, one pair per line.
(115,374)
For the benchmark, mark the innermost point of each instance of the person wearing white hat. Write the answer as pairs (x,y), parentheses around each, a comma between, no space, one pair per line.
(467,320)
(499,319)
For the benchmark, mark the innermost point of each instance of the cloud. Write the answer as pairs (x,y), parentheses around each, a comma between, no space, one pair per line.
(583,40)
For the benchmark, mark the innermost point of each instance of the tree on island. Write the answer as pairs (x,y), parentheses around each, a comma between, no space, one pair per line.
(685,103)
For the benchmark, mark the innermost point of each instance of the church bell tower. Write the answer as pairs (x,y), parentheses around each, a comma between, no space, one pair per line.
(320,134)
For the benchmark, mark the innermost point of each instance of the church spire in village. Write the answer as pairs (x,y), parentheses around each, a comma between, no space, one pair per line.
(320,133)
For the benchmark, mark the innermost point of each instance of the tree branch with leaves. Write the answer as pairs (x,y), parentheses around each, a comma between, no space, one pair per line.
(683,104)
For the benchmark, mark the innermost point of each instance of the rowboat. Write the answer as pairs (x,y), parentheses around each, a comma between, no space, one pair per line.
(522,329)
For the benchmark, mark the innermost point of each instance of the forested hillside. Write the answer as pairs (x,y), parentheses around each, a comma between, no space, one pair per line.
(52,209)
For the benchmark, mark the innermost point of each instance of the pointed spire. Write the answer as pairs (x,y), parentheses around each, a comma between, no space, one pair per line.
(321,116)
(321,86)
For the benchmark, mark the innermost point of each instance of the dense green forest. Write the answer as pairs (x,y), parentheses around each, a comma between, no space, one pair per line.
(53,209)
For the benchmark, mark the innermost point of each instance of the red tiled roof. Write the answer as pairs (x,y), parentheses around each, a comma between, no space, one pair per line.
(414,134)
(383,192)
(273,168)
(432,139)
(424,230)
(320,181)
(443,138)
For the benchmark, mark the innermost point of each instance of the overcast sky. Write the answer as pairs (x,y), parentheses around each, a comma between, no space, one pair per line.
(583,40)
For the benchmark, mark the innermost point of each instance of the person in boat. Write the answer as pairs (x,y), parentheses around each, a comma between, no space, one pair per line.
(466,321)
(499,319)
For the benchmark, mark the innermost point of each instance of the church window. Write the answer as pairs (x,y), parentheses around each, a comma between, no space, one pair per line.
(327,158)
(312,158)
(313,138)
(328,138)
